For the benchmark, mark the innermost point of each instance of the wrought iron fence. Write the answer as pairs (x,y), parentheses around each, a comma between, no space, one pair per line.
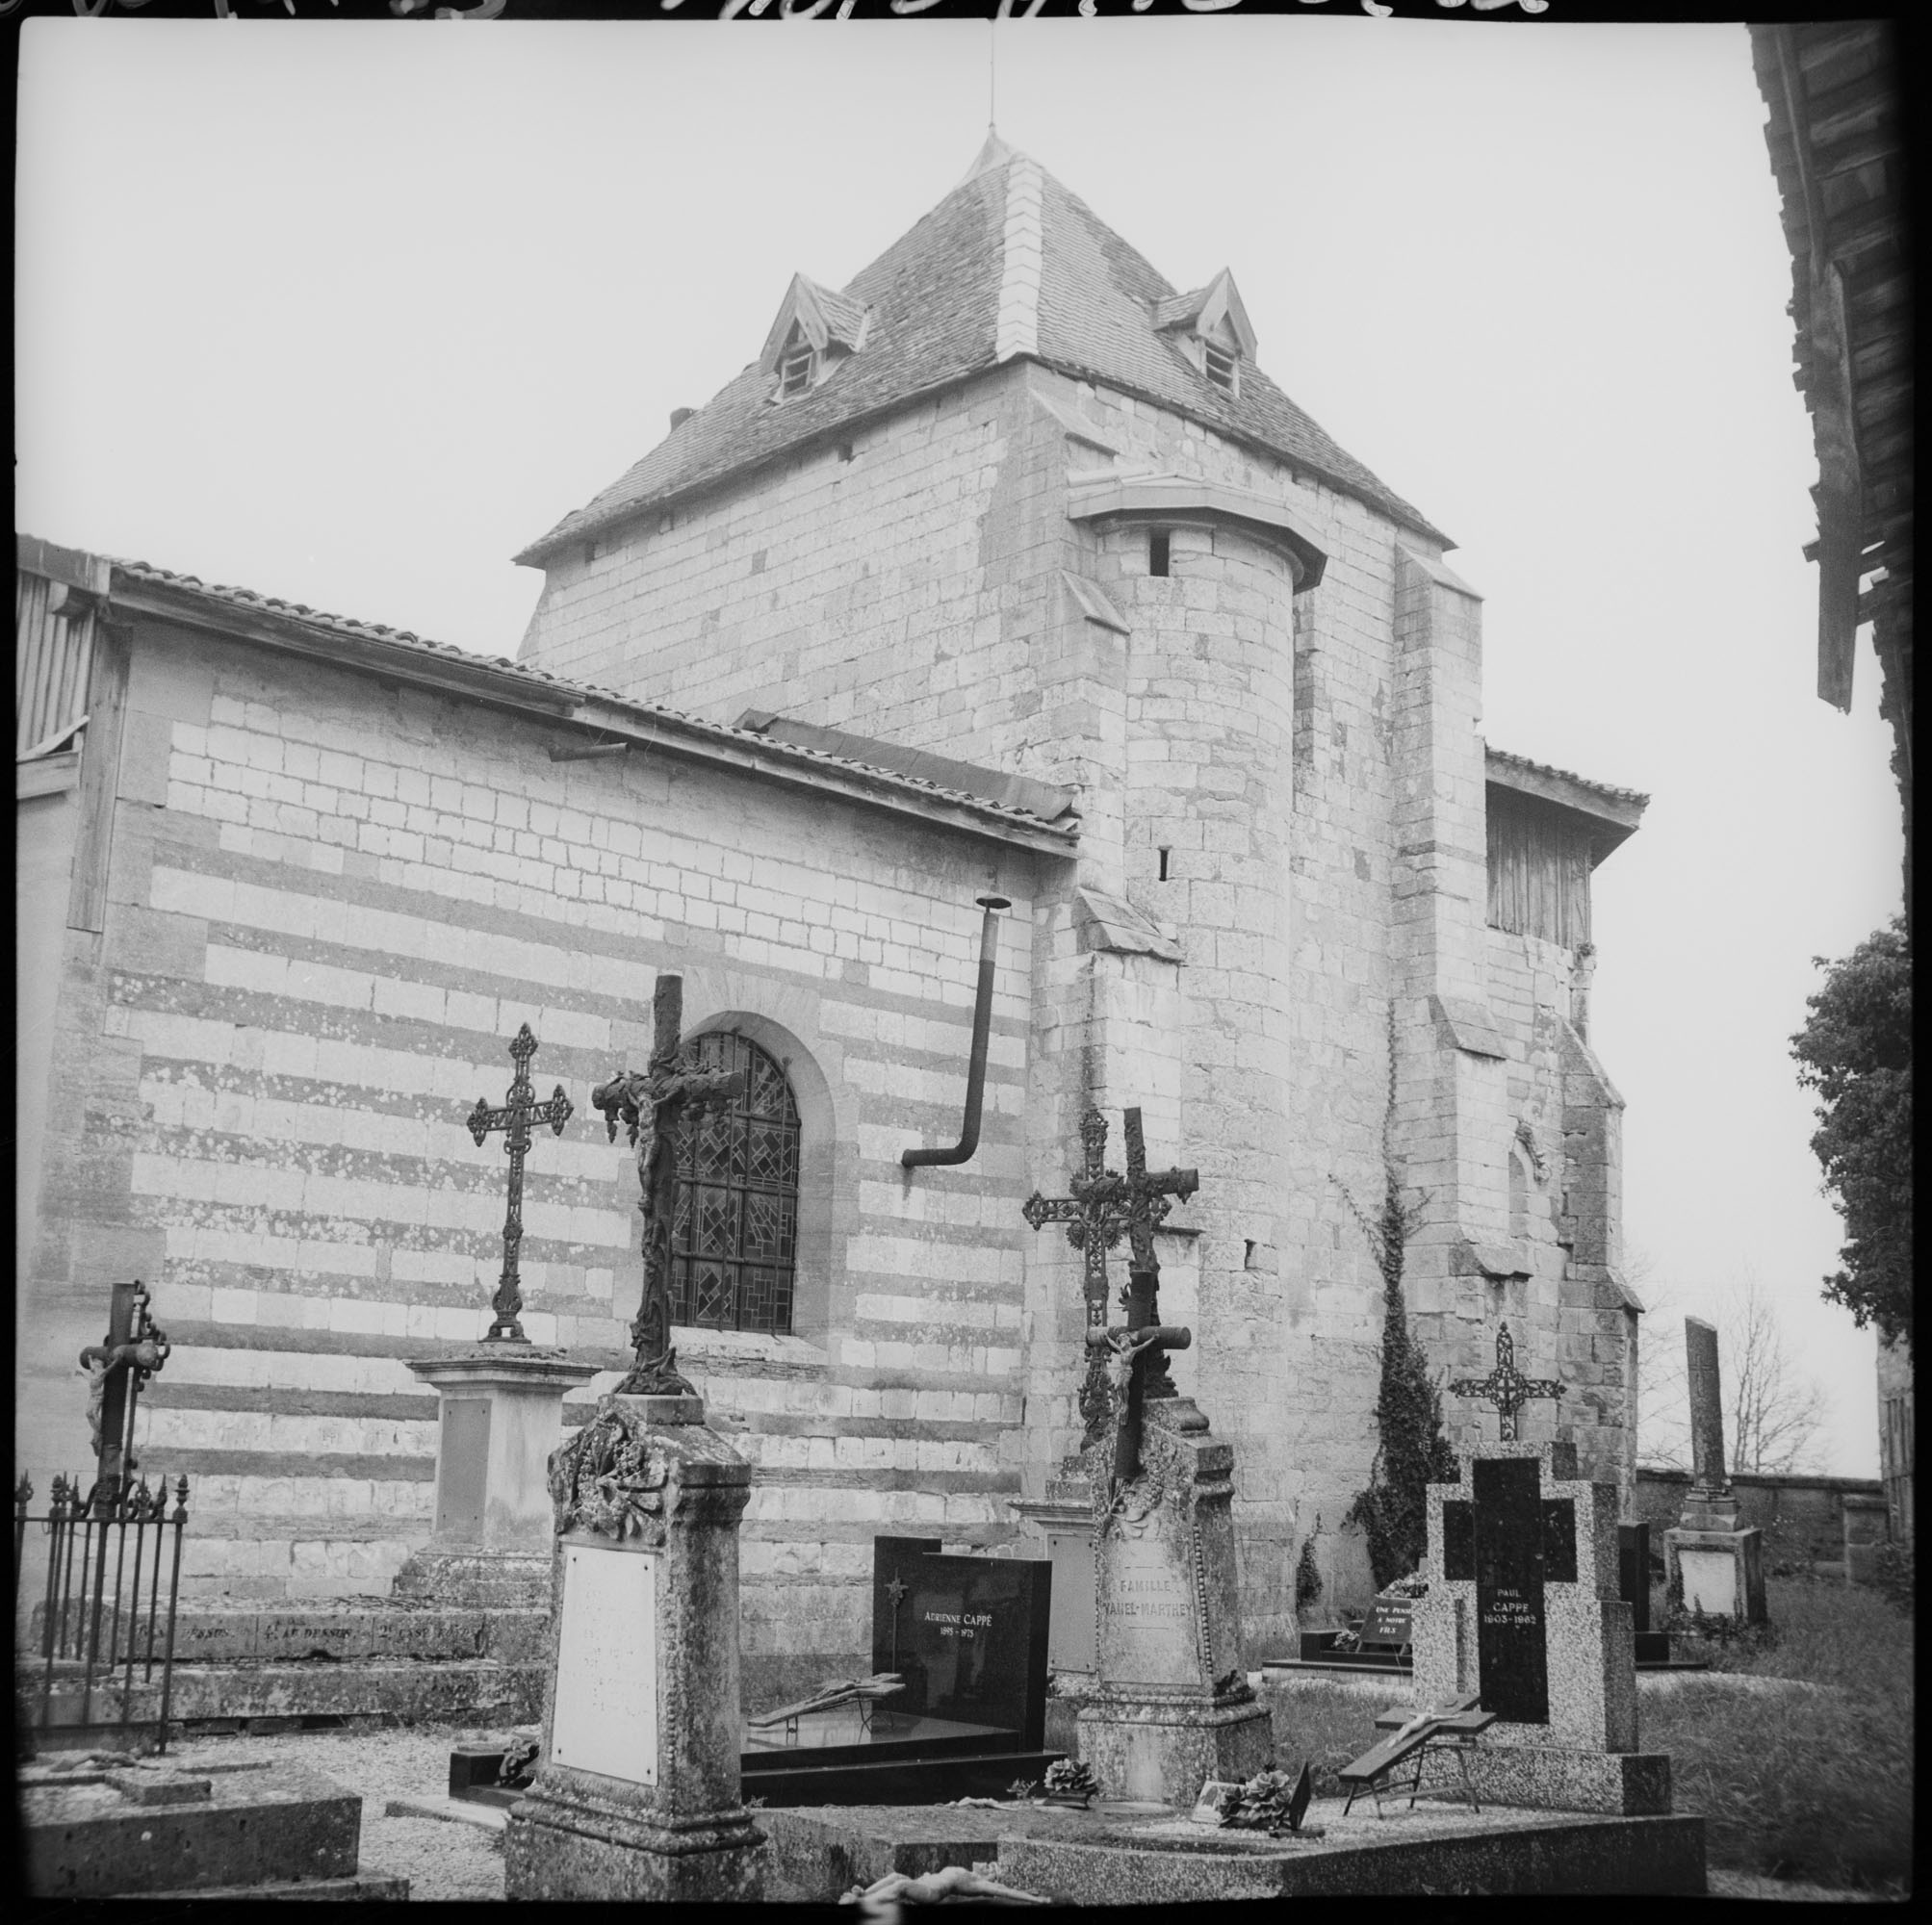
(101,1613)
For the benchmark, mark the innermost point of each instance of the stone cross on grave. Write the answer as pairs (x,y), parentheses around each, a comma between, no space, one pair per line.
(1102,1205)
(670,1096)
(514,1116)
(1505,1386)
(132,1351)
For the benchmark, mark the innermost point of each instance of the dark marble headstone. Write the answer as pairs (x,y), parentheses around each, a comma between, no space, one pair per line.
(1632,1573)
(966,1635)
(1502,1539)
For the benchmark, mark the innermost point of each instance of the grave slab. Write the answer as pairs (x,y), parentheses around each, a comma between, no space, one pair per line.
(124,1830)
(1123,1853)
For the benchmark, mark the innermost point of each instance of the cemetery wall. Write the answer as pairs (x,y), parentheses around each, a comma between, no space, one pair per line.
(1304,767)
(1802,1517)
(332,900)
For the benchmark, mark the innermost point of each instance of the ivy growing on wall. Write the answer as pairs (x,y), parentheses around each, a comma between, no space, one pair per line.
(1411,1451)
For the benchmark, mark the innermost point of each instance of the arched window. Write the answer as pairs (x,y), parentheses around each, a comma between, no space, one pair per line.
(734,1232)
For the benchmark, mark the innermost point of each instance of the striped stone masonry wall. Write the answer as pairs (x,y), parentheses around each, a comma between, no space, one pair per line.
(331,904)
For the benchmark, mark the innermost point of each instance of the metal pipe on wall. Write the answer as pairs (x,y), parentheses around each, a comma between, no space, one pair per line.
(981,1025)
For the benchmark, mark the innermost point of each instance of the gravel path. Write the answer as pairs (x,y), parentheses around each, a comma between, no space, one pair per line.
(440,1860)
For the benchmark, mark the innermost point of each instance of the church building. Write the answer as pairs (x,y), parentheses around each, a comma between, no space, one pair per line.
(1001,571)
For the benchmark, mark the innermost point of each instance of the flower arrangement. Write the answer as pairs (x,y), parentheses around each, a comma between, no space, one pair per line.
(1071,1782)
(1414,1585)
(1261,1805)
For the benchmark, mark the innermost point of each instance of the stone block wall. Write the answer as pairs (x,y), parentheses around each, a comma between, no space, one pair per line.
(1802,1517)
(331,903)
(1310,762)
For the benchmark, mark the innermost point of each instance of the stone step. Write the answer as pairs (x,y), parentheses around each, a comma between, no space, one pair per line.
(364,1885)
(220,1633)
(479,1690)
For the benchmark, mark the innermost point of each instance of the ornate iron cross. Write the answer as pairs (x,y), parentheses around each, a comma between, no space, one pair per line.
(118,1367)
(1147,1209)
(654,1107)
(515,1117)
(1105,1205)
(1505,1386)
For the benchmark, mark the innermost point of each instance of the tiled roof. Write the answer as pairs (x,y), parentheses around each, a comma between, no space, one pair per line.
(1526,766)
(769,751)
(934,297)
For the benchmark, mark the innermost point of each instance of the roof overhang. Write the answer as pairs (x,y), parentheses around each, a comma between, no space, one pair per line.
(1172,497)
(1609,816)
(613,723)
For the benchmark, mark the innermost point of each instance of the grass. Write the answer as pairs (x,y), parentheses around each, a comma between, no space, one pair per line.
(1813,1787)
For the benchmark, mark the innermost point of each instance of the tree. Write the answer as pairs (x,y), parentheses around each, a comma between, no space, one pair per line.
(1855,1050)
(1775,1417)
(1412,1452)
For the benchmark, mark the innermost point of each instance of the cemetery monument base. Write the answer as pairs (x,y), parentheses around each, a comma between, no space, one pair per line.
(499,1418)
(636,1796)
(1170,1706)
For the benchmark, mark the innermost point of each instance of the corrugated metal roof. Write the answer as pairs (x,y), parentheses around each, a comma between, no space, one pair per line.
(771,753)
(934,301)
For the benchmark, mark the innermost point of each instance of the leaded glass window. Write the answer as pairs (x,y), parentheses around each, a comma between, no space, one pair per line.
(734,1232)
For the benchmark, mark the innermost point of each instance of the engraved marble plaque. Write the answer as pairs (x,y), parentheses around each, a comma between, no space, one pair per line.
(1146,1615)
(462,1469)
(1070,1624)
(1709,1581)
(605,1714)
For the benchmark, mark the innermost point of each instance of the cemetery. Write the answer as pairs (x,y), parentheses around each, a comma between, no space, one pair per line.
(865,1434)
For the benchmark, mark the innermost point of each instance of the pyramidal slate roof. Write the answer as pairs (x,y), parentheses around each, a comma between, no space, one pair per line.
(1009,264)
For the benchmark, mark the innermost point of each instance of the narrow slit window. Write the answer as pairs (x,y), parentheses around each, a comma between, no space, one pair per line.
(1157,552)
(1164,854)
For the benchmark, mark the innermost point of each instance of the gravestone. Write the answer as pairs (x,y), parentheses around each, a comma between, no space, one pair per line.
(1522,1607)
(1710,1565)
(637,1792)
(500,1404)
(966,1637)
(1169,1705)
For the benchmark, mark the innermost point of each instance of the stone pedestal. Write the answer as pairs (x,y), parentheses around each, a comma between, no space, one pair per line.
(1868,1531)
(636,1796)
(502,1416)
(1522,1605)
(1065,1521)
(1711,1565)
(1169,1707)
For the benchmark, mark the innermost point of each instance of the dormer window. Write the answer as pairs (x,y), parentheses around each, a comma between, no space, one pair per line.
(1211,329)
(795,369)
(815,329)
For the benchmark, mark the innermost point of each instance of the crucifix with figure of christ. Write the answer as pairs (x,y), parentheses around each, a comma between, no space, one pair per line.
(1124,1366)
(514,1116)
(672,1095)
(117,1368)
(1505,1386)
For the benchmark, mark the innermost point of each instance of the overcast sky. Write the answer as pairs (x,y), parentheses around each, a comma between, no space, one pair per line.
(349,314)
